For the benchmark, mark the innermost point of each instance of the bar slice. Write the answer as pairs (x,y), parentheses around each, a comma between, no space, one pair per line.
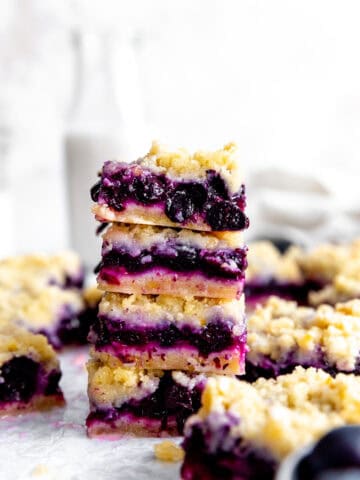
(156,260)
(243,430)
(22,271)
(50,310)
(282,335)
(172,333)
(200,191)
(29,371)
(132,401)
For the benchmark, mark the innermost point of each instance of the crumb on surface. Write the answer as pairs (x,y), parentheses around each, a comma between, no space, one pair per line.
(39,470)
(168,451)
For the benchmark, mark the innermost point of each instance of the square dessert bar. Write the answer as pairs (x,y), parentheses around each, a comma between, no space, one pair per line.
(200,191)
(64,270)
(172,333)
(132,401)
(243,430)
(29,371)
(50,310)
(155,260)
(336,268)
(271,272)
(282,335)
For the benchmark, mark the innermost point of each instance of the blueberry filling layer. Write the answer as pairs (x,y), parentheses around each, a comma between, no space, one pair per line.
(181,201)
(216,336)
(266,367)
(291,291)
(71,328)
(223,263)
(170,401)
(212,454)
(22,378)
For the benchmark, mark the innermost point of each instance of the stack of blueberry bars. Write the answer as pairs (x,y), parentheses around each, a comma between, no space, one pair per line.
(172,269)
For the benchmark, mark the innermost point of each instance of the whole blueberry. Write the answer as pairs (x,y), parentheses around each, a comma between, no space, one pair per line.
(226,215)
(216,185)
(184,201)
(338,449)
(148,188)
(216,336)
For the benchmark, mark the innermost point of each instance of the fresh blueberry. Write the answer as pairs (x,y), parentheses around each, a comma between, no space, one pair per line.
(148,189)
(216,184)
(184,201)
(338,449)
(225,215)
(95,191)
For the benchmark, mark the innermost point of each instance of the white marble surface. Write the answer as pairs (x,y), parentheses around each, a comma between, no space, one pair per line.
(53,445)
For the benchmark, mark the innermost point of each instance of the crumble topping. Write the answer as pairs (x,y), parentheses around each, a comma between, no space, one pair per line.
(281,327)
(16,342)
(326,261)
(345,285)
(184,165)
(281,415)
(168,451)
(38,307)
(266,262)
(192,310)
(23,271)
(112,385)
(145,236)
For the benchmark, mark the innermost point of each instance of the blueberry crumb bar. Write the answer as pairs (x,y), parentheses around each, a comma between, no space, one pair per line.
(282,335)
(155,260)
(50,310)
(200,191)
(140,402)
(243,431)
(172,333)
(29,371)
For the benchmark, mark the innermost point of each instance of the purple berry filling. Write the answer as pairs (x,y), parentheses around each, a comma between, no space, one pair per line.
(169,402)
(216,336)
(211,453)
(23,378)
(71,281)
(181,201)
(72,327)
(258,291)
(222,263)
(269,368)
